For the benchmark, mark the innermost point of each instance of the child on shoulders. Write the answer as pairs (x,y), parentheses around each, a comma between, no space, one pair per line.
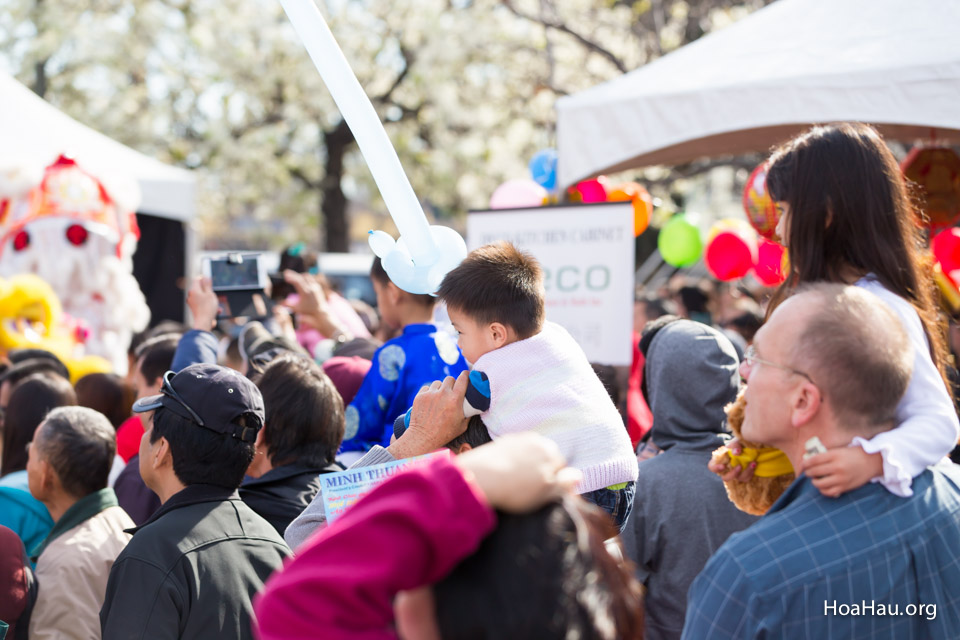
(531,375)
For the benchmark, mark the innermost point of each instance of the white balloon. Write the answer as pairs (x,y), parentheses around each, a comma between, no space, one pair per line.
(356,109)
(382,243)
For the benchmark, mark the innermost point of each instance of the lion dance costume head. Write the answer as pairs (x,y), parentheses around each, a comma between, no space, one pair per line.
(79,237)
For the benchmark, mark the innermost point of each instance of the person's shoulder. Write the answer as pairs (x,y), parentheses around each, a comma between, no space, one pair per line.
(192,528)
(898,304)
(937,490)
(254,525)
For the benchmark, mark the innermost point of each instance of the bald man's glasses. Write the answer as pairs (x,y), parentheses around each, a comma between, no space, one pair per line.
(750,357)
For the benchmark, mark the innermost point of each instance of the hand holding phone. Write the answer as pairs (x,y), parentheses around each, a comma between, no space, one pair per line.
(240,282)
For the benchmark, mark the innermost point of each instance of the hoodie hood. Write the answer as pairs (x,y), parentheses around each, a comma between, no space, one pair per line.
(691,373)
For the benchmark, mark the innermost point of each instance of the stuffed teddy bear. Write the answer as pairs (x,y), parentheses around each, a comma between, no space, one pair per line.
(773,474)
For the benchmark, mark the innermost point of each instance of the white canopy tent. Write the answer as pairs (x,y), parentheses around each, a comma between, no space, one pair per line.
(745,88)
(31,128)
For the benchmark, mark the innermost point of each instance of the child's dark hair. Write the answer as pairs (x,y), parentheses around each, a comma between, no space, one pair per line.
(476,435)
(498,283)
(377,273)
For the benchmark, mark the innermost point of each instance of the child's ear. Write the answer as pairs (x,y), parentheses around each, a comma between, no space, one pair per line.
(394,293)
(499,334)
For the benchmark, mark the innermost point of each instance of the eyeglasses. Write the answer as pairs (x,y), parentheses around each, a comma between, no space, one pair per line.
(167,389)
(750,357)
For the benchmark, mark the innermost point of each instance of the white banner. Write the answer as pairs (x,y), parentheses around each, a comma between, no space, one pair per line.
(587,254)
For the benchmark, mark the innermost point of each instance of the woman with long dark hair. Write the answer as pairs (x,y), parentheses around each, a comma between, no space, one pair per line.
(846,216)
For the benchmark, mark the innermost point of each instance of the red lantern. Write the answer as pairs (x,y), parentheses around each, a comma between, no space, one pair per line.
(936,171)
(770,269)
(760,208)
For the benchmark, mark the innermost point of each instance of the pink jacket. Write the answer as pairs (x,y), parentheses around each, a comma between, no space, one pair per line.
(408,532)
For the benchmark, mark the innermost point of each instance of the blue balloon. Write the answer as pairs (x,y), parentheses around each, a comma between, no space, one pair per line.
(543,168)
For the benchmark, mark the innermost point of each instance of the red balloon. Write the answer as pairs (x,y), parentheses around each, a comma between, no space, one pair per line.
(770,270)
(946,248)
(590,191)
(729,256)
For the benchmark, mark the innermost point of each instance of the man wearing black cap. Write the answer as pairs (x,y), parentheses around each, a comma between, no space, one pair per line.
(192,570)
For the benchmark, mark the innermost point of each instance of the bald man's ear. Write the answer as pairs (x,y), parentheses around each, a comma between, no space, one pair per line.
(807,403)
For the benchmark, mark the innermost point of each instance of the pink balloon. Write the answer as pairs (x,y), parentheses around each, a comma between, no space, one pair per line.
(591,191)
(769,270)
(729,256)
(515,194)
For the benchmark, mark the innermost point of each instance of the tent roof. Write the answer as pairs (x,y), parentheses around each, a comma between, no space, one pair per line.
(32,128)
(767,77)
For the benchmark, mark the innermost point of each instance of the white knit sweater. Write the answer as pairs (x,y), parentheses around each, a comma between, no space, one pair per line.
(545,384)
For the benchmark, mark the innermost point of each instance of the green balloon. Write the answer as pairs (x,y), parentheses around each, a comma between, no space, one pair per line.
(679,242)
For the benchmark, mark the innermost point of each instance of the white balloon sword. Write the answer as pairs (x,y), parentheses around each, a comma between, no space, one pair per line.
(422,256)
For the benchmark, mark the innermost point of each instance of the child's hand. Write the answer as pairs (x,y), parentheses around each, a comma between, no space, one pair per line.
(840,470)
(726,472)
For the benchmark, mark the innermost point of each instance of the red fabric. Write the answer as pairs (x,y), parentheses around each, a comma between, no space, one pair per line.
(639,418)
(408,532)
(347,375)
(128,437)
(13,579)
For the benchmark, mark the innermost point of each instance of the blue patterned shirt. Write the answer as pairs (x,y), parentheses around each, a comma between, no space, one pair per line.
(421,354)
(858,566)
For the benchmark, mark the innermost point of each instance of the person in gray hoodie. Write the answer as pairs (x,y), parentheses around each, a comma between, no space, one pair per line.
(681,513)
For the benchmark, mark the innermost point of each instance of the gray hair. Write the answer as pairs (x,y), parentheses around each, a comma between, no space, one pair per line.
(858,353)
(80,444)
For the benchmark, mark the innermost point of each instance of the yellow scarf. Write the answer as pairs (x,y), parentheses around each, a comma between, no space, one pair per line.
(770,462)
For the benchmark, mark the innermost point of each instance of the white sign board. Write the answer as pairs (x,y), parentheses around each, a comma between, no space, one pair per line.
(587,254)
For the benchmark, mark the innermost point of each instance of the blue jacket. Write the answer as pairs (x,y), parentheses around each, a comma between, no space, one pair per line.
(421,354)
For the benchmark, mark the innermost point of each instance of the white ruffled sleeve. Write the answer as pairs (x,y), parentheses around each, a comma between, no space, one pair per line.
(927,425)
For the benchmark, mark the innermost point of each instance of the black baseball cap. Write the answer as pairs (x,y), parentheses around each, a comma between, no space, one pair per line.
(211,396)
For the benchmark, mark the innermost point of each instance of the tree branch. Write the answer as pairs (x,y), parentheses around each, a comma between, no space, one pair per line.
(562,28)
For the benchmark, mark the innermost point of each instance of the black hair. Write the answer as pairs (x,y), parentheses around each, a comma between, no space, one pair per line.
(304,414)
(654,306)
(107,393)
(30,402)
(155,356)
(851,210)
(378,273)
(203,456)
(543,575)
(747,323)
(80,445)
(161,328)
(25,368)
(498,283)
(694,299)
(475,435)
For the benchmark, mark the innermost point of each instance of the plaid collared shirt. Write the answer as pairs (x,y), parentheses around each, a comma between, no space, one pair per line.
(865,565)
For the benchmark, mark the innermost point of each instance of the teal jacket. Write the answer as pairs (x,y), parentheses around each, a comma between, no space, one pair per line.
(23,513)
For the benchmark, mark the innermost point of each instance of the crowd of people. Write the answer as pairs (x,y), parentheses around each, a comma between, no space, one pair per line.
(186,499)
